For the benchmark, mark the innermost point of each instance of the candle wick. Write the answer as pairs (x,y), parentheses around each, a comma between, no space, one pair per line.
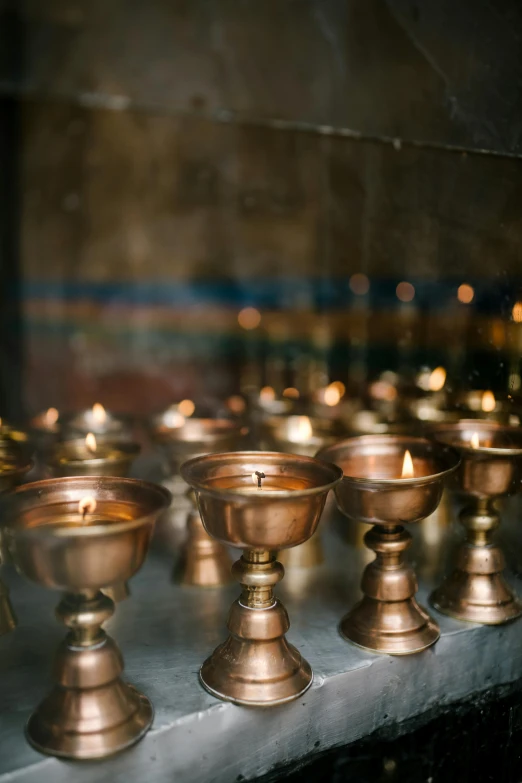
(259,477)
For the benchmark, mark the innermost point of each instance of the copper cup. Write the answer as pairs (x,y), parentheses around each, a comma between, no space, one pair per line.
(491,468)
(109,458)
(91,712)
(388,619)
(256,665)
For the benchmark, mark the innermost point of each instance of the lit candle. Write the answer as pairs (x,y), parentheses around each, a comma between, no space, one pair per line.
(89,456)
(97,420)
(89,449)
(488,403)
(407,466)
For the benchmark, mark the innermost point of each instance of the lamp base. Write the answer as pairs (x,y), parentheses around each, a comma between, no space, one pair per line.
(476,591)
(204,561)
(389,619)
(90,713)
(305,555)
(395,628)
(59,725)
(256,666)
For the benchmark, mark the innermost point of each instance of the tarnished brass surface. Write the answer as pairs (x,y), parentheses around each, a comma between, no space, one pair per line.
(476,590)
(91,712)
(388,619)
(256,665)
(204,562)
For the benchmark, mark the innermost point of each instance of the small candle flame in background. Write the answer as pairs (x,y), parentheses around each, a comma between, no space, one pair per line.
(437,379)
(186,408)
(90,442)
(407,466)
(256,478)
(236,404)
(383,390)
(51,417)
(339,385)
(488,402)
(87,505)
(331,395)
(299,428)
(291,393)
(99,413)
(173,418)
(475,441)
(267,394)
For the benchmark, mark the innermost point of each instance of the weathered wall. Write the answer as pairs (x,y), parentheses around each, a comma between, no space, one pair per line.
(177,161)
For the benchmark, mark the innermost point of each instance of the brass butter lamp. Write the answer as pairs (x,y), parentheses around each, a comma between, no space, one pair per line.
(491,468)
(205,562)
(304,435)
(484,404)
(13,467)
(97,420)
(260,502)
(94,456)
(390,480)
(78,534)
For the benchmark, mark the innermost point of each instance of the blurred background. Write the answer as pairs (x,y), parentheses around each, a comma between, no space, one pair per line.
(202,196)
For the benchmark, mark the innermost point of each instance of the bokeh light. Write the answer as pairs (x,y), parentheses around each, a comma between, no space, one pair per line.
(249,318)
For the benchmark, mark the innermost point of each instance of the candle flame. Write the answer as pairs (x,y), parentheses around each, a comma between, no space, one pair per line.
(488,402)
(99,413)
(475,441)
(173,418)
(186,408)
(407,466)
(339,385)
(51,417)
(437,379)
(236,404)
(267,394)
(332,395)
(383,390)
(87,505)
(90,442)
(291,392)
(299,428)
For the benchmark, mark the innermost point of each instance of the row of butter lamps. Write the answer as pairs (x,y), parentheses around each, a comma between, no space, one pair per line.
(61,532)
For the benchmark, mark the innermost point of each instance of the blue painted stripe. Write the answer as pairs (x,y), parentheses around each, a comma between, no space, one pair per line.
(491,296)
